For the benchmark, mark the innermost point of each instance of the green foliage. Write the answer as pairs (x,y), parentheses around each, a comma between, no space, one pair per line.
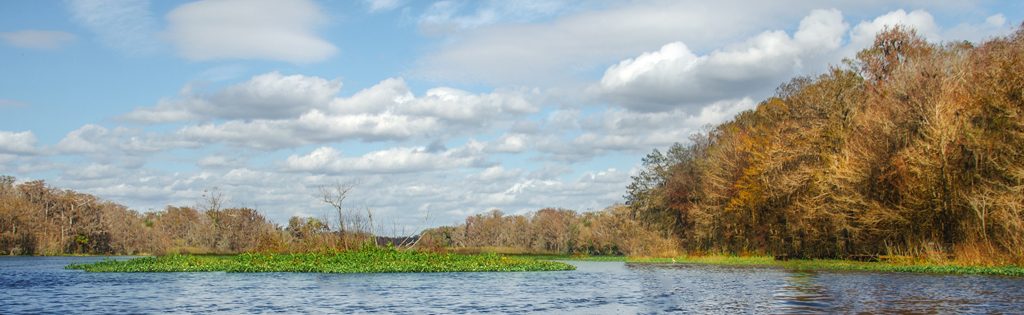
(368,259)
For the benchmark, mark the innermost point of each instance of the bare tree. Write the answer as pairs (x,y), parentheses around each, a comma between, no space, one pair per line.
(335,195)
(213,199)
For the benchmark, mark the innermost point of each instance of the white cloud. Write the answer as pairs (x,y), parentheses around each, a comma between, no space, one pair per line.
(249,29)
(498,172)
(864,33)
(382,97)
(37,39)
(272,112)
(573,44)
(392,160)
(125,25)
(94,171)
(455,105)
(614,131)
(458,105)
(219,161)
(99,140)
(266,96)
(17,143)
(674,76)
(312,127)
(510,143)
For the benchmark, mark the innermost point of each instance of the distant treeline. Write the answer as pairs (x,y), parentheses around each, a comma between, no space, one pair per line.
(36,219)
(553,231)
(912,148)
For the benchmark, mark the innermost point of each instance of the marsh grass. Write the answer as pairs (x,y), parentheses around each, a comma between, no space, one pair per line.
(840,265)
(365,260)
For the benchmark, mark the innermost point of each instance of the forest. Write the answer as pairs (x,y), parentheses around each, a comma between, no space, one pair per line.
(911,148)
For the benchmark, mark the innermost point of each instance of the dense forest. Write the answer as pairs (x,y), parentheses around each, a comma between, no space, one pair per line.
(911,148)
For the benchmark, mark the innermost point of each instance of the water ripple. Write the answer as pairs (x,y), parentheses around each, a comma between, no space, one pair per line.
(40,284)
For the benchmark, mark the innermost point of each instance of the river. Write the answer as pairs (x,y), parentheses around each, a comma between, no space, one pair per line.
(41,285)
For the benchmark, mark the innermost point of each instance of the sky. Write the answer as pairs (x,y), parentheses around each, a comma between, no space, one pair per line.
(434,110)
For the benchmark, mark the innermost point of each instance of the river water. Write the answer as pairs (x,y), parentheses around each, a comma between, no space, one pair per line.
(41,285)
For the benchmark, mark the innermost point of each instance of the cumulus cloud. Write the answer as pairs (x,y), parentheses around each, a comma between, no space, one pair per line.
(95,139)
(94,171)
(244,29)
(125,25)
(455,105)
(614,130)
(219,161)
(674,76)
(312,127)
(510,143)
(266,96)
(864,33)
(304,110)
(458,105)
(392,160)
(924,23)
(17,143)
(574,44)
(37,39)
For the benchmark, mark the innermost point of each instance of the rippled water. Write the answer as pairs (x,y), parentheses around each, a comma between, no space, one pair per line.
(40,284)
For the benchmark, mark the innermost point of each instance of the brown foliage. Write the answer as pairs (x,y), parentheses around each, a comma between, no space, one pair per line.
(36,219)
(612,231)
(916,147)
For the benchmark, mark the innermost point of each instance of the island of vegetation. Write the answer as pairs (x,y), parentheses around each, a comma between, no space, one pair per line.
(368,259)
(907,158)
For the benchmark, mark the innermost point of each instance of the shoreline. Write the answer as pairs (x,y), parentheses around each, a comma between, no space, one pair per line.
(802,264)
(837,265)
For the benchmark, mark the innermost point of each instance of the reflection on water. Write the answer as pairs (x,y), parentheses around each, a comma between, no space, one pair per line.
(39,284)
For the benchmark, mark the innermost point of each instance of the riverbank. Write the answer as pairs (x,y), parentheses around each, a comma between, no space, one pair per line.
(837,265)
(367,260)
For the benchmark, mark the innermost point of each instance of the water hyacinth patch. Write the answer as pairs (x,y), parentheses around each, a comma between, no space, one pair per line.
(366,260)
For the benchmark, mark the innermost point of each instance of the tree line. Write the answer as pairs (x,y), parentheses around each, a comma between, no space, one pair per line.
(910,148)
(611,231)
(36,219)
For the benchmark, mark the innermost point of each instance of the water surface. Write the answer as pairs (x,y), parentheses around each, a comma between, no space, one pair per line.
(41,285)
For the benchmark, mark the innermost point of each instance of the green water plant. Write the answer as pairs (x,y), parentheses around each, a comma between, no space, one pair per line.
(365,260)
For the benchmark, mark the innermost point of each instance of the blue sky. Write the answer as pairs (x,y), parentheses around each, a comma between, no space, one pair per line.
(437,109)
